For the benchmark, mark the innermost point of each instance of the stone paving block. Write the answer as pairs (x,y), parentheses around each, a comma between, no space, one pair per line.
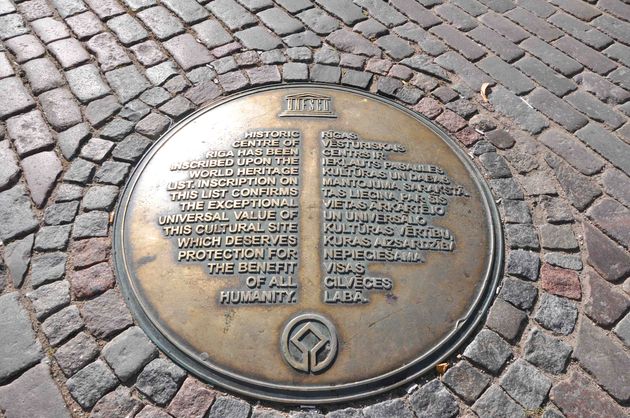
(558,237)
(566,261)
(556,314)
(514,107)
(395,47)
(263,75)
(370,28)
(188,10)
(158,74)
(519,293)
(603,89)
(393,408)
(526,384)
(161,379)
(607,145)
(19,349)
(612,218)
(319,21)
(16,213)
(488,350)
(148,53)
(90,251)
(212,34)
(127,29)
(466,381)
(501,46)
(85,25)
(560,282)
(551,56)
(91,224)
(533,24)
(161,22)
(588,57)
(47,267)
(619,53)
(580,30)
(595,109)
(346,41)
(545,76)
(52,238)
(433,400)
(258,38)
(192,400)
(100,110)
(179,106)
(17,256)
(153,125)
(49,298)
(119,403)
(62,324)
(580,191)
(127,82)
(9,170)
(505,27)
(345,10)
(49,29)
(79,171)
(325,73)
(34,9)
(623,330)
(604,304)
(96,149)
(109,52)
(68,192)
(86,83)
(188,52)
(506,320)
(546,352)
(577,396)
(556,210)
(521,235)
(427,42)
(295,71)
(383,12)
(129,352)
(60,108)
(616,28)
(41,172)
(506,74)
(13,97)
(106,314)
(6,69)
(604,359)
(280,22)
(572,150)
(233,15)
(25,47)
(34,394)
(557,109)
(458,41)
(89,384)
(136,5)
(91,281)
(12,25)
(306,38)
(69,52)
(456,17)
(495,403)
(616,184)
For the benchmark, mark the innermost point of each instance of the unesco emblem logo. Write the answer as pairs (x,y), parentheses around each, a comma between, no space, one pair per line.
(308,105)
(309,343)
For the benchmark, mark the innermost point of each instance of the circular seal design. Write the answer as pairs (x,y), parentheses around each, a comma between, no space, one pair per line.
(280,202)
(309,343)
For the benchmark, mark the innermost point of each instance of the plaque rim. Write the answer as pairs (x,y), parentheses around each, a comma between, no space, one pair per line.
(324,394)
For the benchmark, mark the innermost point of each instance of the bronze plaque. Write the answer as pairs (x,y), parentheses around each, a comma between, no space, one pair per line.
(307,244)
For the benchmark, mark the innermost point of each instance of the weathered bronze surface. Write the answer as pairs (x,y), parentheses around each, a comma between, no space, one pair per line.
(307,244)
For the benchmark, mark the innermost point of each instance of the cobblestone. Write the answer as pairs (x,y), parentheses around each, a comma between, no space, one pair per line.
(560,282)
(192,400)
(33,394)
(129,352)
(17,256)
(85,25)
(106,314)
(488,350)
(604,304)
(19,349)
(391,408)
(118,403)
(92,382)
(160,379)
(162,23)
(556,314)
(61,325)
(433,400)
(466,381)
(577,396)
(47,267)
(495,403)
(546,352)
(15,212)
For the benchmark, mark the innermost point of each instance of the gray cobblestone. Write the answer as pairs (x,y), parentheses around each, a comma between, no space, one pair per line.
(61,325)
(546,352)
(556,314)
(512,106)
(85,25)
(49,298)
(17,256)
(390,408)
(466,381)
(91,224)
(15,212)
(47,267)
(19,349)
(92,382)
(578,189)
(495,403)
(488,350)
(605,305)
(52,238)
(232,14)
(258,38)
(161,22)
(212,34)
(108,51)
(434,401)
(606,144)
(106,314)
(160,379)
(129,352)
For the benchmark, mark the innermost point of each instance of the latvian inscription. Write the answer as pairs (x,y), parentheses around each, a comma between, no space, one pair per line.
(377,210)
(237,212)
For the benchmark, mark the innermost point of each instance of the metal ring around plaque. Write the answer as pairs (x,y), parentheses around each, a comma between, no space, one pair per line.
(307,244)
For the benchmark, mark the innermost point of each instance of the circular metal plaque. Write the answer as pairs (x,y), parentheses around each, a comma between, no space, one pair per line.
(307,244)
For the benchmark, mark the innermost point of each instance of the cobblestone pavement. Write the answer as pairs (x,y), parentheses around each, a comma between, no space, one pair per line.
(87,86)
